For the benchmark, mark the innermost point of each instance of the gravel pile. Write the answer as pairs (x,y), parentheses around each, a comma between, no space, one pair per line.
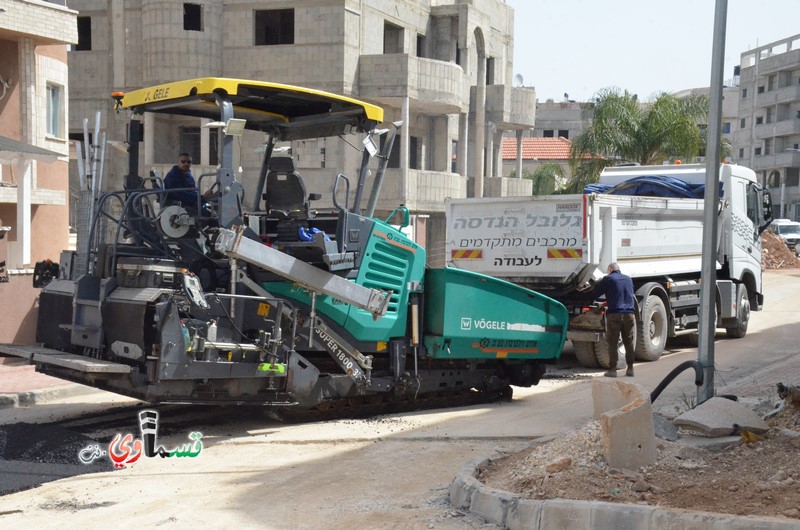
(775,254)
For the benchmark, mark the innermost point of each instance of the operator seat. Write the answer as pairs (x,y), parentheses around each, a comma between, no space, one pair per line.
(285,197)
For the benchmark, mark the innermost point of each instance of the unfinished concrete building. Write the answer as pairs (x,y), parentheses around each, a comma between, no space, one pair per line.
(767,135)
(444,68)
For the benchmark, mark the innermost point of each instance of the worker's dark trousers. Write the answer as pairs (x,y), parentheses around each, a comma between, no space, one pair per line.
(617,323)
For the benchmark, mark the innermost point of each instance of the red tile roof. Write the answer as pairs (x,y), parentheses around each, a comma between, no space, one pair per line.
(537,148)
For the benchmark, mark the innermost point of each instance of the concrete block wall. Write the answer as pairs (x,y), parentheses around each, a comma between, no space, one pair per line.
(319,35)
(170,52)
(427,190)
(438,81)
(507,187)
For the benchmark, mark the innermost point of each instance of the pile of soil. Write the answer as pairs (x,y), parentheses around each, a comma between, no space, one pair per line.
(775,254)
(757,477)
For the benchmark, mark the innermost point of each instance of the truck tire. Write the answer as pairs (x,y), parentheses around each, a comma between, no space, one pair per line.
(739,330)
(601,350)
(584,352)
(651,330)
(594,354)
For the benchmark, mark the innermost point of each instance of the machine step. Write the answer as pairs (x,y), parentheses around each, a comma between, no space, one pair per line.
(47,356)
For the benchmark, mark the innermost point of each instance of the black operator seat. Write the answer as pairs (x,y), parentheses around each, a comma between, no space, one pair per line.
(285,197)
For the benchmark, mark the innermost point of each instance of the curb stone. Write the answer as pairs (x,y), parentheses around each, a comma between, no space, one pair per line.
(33,397)
(514,512)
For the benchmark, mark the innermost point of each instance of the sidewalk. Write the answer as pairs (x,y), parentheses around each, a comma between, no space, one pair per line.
(21,385)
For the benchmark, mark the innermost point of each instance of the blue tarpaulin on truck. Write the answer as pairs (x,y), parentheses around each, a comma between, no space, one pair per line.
(652,186)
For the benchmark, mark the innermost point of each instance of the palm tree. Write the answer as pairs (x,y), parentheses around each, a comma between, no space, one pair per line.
(626,130)
(547,178)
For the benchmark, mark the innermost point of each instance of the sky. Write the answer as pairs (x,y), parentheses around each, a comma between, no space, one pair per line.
(578,47)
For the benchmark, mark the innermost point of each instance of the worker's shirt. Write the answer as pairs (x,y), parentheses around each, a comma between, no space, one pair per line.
(178,179)
(618,289)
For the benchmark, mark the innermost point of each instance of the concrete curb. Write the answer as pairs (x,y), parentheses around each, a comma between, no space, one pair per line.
(33,397)
(514,512)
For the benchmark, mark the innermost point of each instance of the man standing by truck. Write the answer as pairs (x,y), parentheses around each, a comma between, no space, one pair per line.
(620,316)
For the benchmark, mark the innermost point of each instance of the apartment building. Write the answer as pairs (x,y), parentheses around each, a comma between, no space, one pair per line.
(443,68)
(561,119)
(34,35)
(767,132)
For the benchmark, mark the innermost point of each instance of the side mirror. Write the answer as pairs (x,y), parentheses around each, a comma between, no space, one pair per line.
(766,208)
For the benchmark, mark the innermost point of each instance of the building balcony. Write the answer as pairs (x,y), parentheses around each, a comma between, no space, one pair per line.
(776,61)
(425,190)
(776,160)
(434,87)
(509,108)
(8,195)
(44,23)
(788,127)
(787,94)
(507,187)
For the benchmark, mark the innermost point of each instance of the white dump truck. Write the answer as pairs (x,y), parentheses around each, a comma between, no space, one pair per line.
(560,244)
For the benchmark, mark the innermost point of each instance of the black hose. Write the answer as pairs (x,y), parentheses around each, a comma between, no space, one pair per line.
(698,377)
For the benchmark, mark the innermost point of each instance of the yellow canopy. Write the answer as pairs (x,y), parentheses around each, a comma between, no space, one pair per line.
(285,111)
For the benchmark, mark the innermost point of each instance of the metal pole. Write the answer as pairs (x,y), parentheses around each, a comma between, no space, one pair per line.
(102,163)
(262,174)
(362,178)
(707,324)
(384,162)
(93,150)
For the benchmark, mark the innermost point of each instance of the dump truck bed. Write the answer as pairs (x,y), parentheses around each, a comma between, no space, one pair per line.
(554,239)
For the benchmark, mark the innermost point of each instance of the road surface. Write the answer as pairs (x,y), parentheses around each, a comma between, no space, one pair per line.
(386,472)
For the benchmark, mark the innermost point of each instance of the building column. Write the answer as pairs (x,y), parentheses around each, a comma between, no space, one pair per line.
(23,256)
(489,143)
(519,154)
(118,48)
(480,125)
(29,122)
(27,89)
(463,139)
(498,152)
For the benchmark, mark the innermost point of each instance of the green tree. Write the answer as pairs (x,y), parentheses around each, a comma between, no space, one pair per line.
(546,178)
(623,129)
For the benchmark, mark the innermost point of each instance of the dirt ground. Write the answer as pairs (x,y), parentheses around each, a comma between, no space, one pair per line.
(758,477)
(755,478)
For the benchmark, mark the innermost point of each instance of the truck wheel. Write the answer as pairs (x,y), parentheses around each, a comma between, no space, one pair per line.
(584,352)
(651,330)
(601,350)
(739,330)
